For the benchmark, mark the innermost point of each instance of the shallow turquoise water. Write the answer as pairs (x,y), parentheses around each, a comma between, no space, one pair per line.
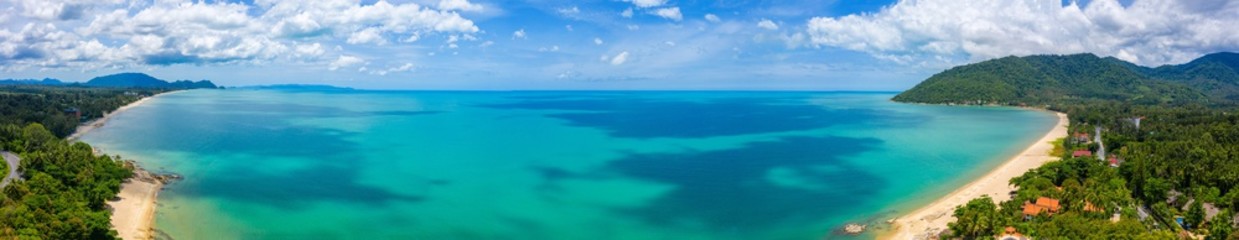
(344,164)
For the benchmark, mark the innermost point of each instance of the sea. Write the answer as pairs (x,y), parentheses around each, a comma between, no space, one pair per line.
(362,164)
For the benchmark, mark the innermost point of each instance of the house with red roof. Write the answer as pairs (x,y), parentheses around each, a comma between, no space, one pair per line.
(1081,153)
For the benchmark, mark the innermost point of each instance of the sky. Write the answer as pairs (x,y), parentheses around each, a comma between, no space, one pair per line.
(859,45)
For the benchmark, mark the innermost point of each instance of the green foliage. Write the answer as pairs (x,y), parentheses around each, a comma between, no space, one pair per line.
(1054,81)
(66,185)
(47,105)
(1185,149)
(1220,226)
(63,196)
(1195,215)
(1051,80)
(978,218)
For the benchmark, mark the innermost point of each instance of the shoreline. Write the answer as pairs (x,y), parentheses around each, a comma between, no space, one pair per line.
(97,123)
(933,217)
(133,209)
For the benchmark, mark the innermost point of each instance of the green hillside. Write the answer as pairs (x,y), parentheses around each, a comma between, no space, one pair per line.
(1059,79)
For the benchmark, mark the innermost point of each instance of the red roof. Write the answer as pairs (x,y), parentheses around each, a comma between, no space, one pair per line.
(1081,153)
(1048,203)
(1043,204)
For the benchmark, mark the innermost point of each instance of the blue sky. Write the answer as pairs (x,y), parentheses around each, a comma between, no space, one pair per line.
(620,44)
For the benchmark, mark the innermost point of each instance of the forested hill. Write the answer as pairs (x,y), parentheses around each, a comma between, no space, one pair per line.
(140,80)
(119,80)
(1054,79)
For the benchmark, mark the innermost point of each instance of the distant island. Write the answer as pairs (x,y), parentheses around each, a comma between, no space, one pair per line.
(1149,152)
(119,80)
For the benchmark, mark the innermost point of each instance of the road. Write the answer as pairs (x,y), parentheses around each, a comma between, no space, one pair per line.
(12,160)
(1101,146)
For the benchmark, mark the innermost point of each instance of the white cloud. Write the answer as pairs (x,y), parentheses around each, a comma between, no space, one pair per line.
(1149,32)
(647,3)
(344,61)
(620,58)
(519,34)
(368,35)
(597,41)
(767,24)
(672,13)
(712,18)
(463,5)
(309,50)
(140,33)
(569,11)
(402,68)
(627,13)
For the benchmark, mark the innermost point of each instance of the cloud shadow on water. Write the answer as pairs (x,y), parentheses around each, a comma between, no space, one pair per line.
(731,190)
(634,117)
(327,167)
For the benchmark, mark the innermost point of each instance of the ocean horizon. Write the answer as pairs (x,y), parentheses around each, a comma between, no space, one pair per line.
(342,164)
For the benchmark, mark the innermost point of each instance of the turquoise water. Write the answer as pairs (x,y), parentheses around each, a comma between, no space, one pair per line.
(345,164)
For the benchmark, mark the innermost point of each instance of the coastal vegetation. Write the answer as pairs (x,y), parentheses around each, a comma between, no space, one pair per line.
(64,184)
(61,109)
(64,191)
(1166,163)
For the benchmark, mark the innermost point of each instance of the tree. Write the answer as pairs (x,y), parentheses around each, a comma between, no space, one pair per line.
(1195,215)
(1220,226)
(978,218)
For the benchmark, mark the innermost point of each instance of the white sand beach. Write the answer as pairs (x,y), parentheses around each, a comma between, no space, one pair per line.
(933,218)
(133,214)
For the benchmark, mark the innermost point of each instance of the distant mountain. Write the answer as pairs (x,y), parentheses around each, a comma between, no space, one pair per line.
(125,80)
(1049,79)
(45,81)
(1216,74)
(141,80)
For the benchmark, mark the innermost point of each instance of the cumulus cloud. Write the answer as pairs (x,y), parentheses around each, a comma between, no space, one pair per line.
(402,68)
(627,13)
(647,3)
(1150,32)
(767,24)
(166,32)
(344,61)
(569,11)
(597,41)
(519,34)
(672,13)
(620,58)
(463,5)
(712,18)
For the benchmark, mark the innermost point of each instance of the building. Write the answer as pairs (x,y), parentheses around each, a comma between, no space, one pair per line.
(73,111)
(1081,153)
(1114,161)
(1080,137)
(1009,233)
(1042,205)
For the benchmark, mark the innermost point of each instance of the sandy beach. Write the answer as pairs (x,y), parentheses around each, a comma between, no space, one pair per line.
(133,212)
(93,124)
(933,218)
(133,209)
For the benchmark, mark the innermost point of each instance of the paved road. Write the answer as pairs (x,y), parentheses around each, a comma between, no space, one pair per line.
(12,160)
